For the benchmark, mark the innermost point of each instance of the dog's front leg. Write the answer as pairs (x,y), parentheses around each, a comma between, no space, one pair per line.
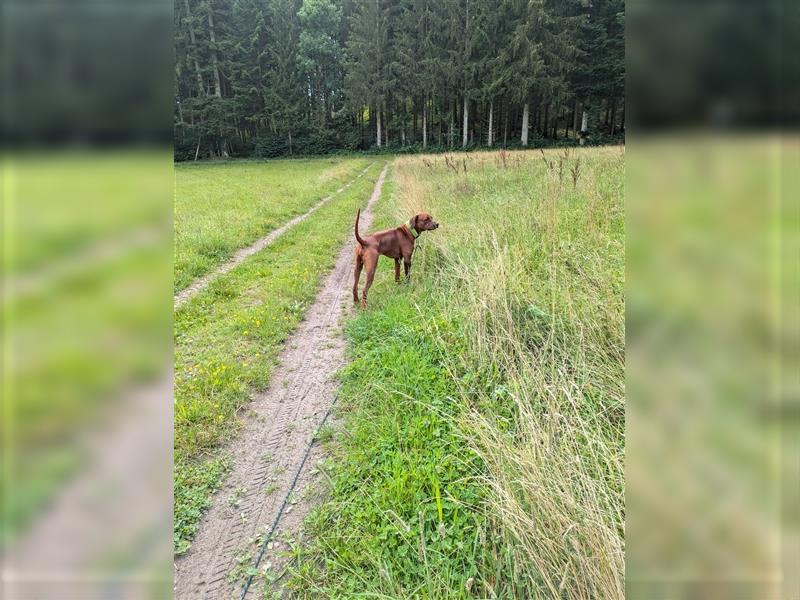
(407,268)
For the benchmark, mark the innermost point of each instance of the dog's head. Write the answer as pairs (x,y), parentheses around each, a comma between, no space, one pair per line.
(424,222)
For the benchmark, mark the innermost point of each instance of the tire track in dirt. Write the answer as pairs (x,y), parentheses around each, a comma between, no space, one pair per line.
(202,283)
(270,448)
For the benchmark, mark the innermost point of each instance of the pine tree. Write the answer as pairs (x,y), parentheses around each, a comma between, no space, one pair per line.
(522,58)
(285,76)
(366,81)
(319,55)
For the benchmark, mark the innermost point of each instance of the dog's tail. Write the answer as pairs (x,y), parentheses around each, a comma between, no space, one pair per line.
(358,237)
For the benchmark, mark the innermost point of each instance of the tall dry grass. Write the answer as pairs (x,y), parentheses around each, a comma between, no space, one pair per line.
(530,262)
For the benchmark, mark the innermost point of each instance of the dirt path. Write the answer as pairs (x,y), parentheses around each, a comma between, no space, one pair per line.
(102,533)
(201,283)
(269,451)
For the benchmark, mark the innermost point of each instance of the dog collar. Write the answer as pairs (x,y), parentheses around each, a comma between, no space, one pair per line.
(414,233)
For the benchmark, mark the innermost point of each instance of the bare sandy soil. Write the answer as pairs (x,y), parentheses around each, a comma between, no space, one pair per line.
(268,453)
(102,534)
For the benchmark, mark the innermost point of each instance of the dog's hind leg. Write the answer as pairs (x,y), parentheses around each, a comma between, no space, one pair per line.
(357,276)
(370,263)
(397,270)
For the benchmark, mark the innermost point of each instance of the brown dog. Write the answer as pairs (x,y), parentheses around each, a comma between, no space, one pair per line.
(395,243)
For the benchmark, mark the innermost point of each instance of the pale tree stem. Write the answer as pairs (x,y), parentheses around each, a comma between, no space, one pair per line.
(378,120)
(584,125)
(491,114)
(525,124)
(425,123)
(466,121)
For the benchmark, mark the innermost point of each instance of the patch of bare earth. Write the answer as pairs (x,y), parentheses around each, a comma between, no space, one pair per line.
(102,533)
(268,454)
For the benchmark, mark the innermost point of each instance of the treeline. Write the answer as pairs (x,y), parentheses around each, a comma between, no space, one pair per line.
(280,77)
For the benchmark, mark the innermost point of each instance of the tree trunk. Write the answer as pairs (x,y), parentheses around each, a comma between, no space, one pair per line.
(491,114)
(546,124)
(200,87)
(441,131)
(214,62)
(452,127)
(584,125)
(441,126)
(386,125)
(378,121)
(425,123)
(465,133)
(613,116)
(575,113)
(555,121)
(569,122)
(524,135)
(505,125)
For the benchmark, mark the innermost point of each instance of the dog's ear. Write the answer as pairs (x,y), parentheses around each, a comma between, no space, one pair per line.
(415,221)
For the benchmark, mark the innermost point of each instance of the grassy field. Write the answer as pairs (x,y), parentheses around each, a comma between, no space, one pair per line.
(227,338)
(480,439)
(86,262)
(222,207)
(481,444)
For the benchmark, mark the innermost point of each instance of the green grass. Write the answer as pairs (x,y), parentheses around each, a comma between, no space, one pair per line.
(228,337)
(481,447)
(62,203)
(221,207)
(84,314)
